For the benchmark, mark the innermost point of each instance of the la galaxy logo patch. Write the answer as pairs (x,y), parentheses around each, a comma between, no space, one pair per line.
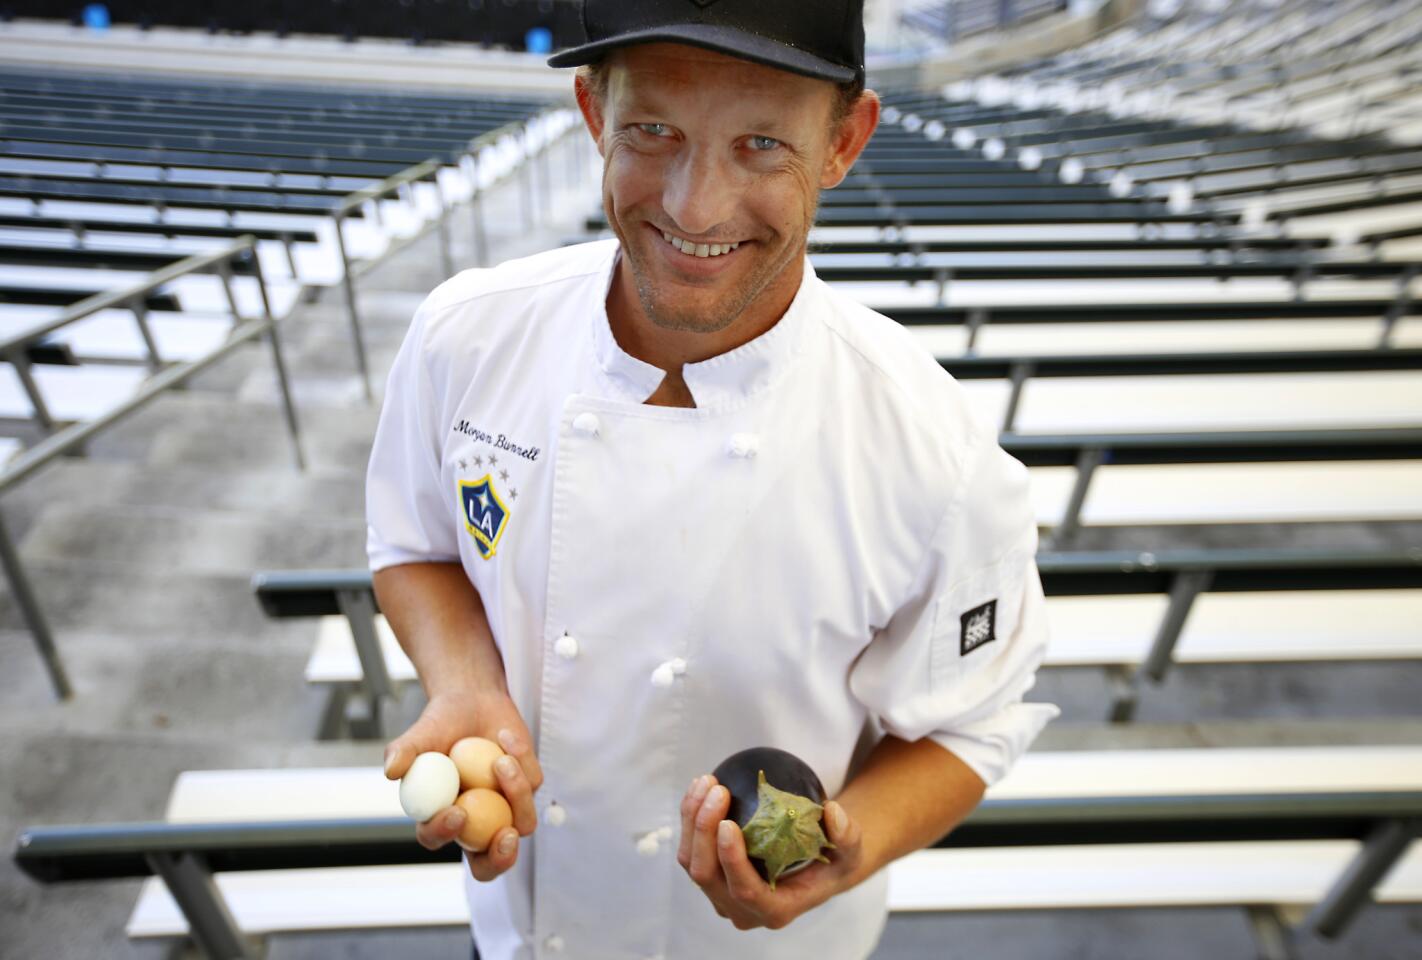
(485,515)
(979,627)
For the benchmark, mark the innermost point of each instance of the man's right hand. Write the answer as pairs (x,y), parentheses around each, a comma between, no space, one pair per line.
(448,719)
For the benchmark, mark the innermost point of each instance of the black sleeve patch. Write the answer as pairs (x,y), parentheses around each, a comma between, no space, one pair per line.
(979,627)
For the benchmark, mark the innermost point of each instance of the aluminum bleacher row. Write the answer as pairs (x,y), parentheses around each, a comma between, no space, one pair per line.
(1301,838)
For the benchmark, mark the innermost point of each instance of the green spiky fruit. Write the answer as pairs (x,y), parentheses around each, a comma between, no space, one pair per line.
(779,804)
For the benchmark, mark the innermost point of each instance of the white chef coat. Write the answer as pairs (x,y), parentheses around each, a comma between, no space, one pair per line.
(829,546)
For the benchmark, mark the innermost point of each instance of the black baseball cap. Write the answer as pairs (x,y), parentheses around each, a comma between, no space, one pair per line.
(816,38)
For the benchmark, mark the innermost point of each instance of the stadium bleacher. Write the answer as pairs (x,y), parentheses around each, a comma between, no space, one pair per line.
(1175,266)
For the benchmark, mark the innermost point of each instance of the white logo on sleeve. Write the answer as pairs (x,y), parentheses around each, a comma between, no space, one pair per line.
(979,627)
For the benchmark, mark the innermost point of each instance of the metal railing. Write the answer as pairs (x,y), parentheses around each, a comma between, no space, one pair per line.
(167,375)
(532,143)
(532,146)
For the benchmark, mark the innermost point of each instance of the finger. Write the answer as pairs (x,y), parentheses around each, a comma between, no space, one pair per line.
(440,829)
(742,882)
(423,736)
(520,747)
(398,757)
(842,830)
(501,855)
(519,793)
(705,866)
(690,803)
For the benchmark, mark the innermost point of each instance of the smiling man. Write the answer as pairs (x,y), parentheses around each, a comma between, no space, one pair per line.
(756,513)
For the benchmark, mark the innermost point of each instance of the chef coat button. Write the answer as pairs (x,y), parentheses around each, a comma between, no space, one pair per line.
(554,944)
(586,423)
(743,445)
(555,816)
(666,673)
(648,845)
(566,647)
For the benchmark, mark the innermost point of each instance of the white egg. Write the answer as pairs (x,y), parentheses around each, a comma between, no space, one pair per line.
(430,785)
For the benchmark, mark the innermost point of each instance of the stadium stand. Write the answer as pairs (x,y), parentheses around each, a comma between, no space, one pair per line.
(1175,266)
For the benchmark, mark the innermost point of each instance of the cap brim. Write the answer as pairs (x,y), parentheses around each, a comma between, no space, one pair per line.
(737,43)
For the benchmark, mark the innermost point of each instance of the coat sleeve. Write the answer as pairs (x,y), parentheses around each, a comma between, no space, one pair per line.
(955,660)
(410,516)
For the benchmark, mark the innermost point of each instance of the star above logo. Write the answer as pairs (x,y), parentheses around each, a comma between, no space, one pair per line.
(463,464)
(513,494)
(493,460)
(478,461)
(504,475)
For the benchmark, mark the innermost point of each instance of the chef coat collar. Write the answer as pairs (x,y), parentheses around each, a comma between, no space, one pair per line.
(718,382)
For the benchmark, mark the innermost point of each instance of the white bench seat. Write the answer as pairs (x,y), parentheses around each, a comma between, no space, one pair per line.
(70,393)
(1284,626)
(113,334)
(1284,873)
(1286,492)
(1256,401)
(1111,337)
(334,660)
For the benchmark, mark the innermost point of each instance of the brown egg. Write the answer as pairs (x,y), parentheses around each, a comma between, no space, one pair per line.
(475,756)
(486,812)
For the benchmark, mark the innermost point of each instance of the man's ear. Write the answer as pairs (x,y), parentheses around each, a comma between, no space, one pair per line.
(591,106)
(850,138)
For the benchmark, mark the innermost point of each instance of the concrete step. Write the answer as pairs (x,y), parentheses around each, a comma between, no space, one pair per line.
(96,537)
(189,429)
(209,608)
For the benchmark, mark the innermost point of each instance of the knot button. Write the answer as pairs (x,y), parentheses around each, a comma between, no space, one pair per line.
(743,445)
(566,647)
(666,673)
(587,424)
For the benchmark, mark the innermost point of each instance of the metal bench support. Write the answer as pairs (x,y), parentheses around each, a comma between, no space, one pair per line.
(348,284)
(1383,848)
(1086,464)
(1188,585)
(1020,373)
(34,619)
(210,922)
(1272,936)
(376,689)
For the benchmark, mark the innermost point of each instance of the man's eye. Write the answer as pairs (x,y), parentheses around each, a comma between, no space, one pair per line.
(653,129)
(764,143)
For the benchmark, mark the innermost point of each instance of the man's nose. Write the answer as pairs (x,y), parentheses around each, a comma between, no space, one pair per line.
(700,193)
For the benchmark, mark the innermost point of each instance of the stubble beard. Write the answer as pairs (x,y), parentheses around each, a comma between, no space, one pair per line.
(665,314)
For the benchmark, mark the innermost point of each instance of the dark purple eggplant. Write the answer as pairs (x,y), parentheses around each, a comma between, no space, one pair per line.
(779,804)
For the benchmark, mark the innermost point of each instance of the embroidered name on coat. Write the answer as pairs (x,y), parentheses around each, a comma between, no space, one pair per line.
(979,627)
(485,515)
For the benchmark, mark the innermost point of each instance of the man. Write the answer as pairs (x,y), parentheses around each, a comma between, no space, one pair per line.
(637,505)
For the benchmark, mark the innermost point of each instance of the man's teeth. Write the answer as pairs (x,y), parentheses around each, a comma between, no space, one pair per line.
(700,249)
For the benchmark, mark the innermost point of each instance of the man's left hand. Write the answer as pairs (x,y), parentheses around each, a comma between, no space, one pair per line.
(713,853)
